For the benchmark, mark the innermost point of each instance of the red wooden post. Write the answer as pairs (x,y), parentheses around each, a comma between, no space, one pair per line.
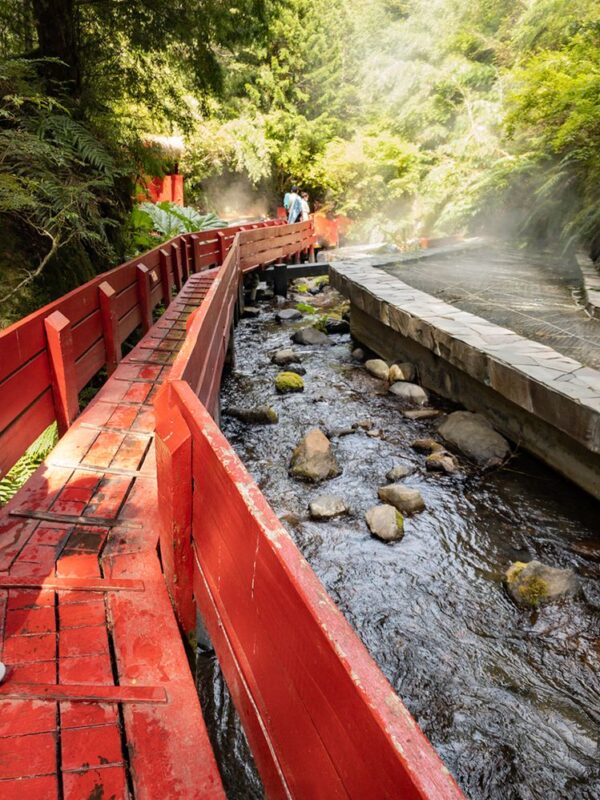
(163,260)
(143,291)
(193,240)
(62,368)
(176,266)
(183,254)
(222,246)
(110,325)
(174,476)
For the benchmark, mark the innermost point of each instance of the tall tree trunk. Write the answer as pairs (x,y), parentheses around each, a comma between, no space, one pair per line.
(56,25)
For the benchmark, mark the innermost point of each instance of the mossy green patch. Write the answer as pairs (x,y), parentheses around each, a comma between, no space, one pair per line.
(286,382)
(306,308)
(399,521)
(302,288)
(321,280)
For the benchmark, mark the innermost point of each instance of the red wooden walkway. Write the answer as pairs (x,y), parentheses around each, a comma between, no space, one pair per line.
(99,701)
(89,615)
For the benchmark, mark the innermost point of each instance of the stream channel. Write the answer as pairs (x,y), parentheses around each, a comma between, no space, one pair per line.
(510,698)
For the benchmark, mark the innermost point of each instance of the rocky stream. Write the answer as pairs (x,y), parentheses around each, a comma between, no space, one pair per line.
(414,519)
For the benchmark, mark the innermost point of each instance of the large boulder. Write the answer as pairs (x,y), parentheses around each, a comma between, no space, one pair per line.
(405,499)
(260,415)
(378,368)
(534,584)
(474,436)
(310,336)
(284,357)
(385,522)
(409,392)
(327,506)
(288,315)
(287,382)
(313,459)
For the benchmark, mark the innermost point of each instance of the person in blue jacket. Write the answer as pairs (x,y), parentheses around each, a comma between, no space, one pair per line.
(294,207)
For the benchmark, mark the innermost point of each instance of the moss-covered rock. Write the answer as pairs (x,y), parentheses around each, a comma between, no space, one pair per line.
(533,584)
(306,308)
(286,382)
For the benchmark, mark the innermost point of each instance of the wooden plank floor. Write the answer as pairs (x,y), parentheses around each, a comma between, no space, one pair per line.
(99,700)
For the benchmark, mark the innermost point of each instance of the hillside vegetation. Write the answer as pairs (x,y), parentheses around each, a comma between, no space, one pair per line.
(414,118)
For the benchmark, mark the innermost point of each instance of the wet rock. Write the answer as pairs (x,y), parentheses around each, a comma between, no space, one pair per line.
(279,300)
(313,459)
(327,506)
(409,392)
(441,461)
(402,372)
(421,413)
(358,354)
(310,336)
(291,519)
(337,326)
(534,584)
(286,382)
(385,522)
(398,472)
(250,312)
(288,315)
(473,435)
(378,368)
(587,548)
(362,424)
(338,432)
(297,369)
(314,290)
(286,356)
(261,415)
(375,433)
(427,446)
(405,499)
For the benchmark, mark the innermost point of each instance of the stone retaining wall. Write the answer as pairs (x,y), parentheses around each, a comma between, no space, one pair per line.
(544,401)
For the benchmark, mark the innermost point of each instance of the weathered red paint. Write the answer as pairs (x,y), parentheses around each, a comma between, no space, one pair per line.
(62,367)
(110,325)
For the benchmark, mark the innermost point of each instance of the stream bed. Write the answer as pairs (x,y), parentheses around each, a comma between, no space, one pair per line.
(509,698)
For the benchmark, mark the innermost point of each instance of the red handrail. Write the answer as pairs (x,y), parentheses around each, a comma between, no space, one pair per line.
(321,719)
(37,379)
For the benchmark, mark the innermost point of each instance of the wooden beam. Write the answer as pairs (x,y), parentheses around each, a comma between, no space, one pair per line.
(143,293)
(62,369)
(110,325)
(163,260)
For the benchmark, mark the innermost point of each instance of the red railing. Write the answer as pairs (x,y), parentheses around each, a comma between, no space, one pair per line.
(49,356)
(321,719)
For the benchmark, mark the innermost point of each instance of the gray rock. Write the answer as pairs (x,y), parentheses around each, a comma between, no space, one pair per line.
(473,435)
(279,300)
(385,522)
(378,368)
(288,315)
(337,326)
(441,461)
(284,357)
(362,424)
(313,459)
(314,290)
(375,433)
(409,392)
(250,311)
(426,446)
(310,336)
(299,370)
(405,499)
(398,472)
(261,415)
(358,354)
(327,506)
(535,584)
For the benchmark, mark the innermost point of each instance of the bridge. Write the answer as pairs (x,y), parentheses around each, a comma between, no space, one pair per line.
(141,520)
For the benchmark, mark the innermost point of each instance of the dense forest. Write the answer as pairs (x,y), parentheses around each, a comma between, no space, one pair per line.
(413,118)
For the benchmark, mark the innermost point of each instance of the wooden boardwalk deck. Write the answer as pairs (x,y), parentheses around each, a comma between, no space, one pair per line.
(99,701)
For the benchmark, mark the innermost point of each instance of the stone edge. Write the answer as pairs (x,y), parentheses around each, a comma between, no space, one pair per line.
(591,284)
(557,389)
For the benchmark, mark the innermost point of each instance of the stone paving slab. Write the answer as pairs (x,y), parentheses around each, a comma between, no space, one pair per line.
(558,389)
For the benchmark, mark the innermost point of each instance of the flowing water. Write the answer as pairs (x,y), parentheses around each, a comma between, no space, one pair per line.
(509,698)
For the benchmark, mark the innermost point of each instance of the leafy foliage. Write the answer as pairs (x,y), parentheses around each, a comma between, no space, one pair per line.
(150,224)
(27,464)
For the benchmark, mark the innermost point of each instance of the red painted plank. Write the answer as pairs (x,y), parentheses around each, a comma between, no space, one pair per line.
(106,783)
(21,717)
(45,788)
(22,388)
(83,748)
(15,439)
(25,756)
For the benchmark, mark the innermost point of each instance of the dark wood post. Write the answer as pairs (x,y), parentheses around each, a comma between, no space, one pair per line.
(143,292)
(174,476)
(110,325)
(176,266)
(165,279)
(183,254)
(222,246)
(280,279)
(62,369)
(193,239)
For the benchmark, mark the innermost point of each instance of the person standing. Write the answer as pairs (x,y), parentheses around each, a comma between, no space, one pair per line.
(295,206)
(305,212)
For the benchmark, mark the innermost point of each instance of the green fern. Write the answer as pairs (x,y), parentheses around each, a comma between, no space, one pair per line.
(28,463)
